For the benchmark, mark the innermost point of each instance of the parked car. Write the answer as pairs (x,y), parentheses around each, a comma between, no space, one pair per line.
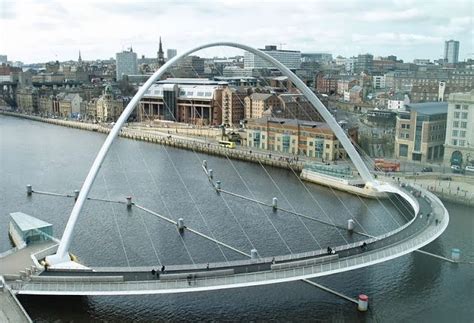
(427,169)
(455,168)
(445,178)
(469,169)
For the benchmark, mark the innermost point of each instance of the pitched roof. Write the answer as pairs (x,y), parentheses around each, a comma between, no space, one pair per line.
(260,96)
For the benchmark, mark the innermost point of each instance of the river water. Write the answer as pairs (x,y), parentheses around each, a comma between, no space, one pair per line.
(171,182)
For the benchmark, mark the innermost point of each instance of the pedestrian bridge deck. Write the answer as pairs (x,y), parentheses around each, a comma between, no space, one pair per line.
(417,233)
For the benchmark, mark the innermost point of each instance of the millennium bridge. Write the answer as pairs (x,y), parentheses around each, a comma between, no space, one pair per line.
(49,268)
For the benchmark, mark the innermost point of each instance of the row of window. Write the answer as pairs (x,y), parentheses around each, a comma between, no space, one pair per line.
(405,126)
(458,142)
(459,133)
(462,123)
(437,137)
(458,115)
(437,127)
(458,107)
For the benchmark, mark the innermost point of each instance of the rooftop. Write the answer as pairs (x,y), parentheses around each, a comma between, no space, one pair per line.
(260,96)
(196,81)
(26,222)
(290,122)
(428,108)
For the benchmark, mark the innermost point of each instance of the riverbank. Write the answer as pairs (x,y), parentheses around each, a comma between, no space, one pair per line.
(453,188)
(266,159)
(446,190)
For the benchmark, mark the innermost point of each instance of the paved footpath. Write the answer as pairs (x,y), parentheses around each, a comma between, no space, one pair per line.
(20,259)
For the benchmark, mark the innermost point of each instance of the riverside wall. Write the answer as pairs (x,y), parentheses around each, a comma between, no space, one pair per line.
(266,159)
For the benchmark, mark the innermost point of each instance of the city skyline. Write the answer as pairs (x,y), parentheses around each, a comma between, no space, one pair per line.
(405,28)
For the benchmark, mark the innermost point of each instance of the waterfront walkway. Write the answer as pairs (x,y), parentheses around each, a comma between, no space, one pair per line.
(18,260)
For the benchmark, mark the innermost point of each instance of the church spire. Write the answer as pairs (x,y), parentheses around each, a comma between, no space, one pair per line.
(79,60)
(161,55)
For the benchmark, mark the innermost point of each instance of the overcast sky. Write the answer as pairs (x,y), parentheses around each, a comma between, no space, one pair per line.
(44,30)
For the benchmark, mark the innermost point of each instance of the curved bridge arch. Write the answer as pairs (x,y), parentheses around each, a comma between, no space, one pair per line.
(62,253)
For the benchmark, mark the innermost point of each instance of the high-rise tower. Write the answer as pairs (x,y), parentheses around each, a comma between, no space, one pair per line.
(161,55)
(451,51)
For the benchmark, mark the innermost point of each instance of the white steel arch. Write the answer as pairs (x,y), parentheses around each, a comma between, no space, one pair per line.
(62,255)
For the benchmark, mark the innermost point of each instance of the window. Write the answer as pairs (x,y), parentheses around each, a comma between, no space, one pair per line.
(457,106)
(455,133)
(462,143)
(403,126)
(455,142)
(464,115)
(408,126)
(465,106)
(463,124)
(327,146)
(407,136)
(462,134)
(456,124)
(457,114)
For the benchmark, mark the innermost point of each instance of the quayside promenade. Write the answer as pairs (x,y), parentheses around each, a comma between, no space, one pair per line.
(175,140)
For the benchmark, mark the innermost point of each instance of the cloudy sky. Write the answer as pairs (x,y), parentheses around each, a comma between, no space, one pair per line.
(44,30)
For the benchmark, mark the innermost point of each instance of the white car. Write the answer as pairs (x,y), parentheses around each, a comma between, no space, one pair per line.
(469,169)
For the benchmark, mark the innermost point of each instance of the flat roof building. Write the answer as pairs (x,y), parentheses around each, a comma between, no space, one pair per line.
(297,137)
(289,58)
(459,144)
(193,101)
(126,64)
(421,131)
(451,51)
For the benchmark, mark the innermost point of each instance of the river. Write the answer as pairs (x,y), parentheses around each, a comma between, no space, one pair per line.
(171,181)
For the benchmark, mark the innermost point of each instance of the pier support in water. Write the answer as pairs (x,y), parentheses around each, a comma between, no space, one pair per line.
(253,254)
(455,254)
(76,194)
(218,185)
(180,225)
(29,190)
(275,204)
(363,303)
(350,225)
(129,202)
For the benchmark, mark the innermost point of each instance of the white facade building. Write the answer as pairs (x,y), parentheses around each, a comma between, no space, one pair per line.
(126,64)
(459,144)
(378,81)
(289,58)
(398,102)
(170,53)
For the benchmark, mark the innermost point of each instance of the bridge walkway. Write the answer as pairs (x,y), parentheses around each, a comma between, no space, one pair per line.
(420,232)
